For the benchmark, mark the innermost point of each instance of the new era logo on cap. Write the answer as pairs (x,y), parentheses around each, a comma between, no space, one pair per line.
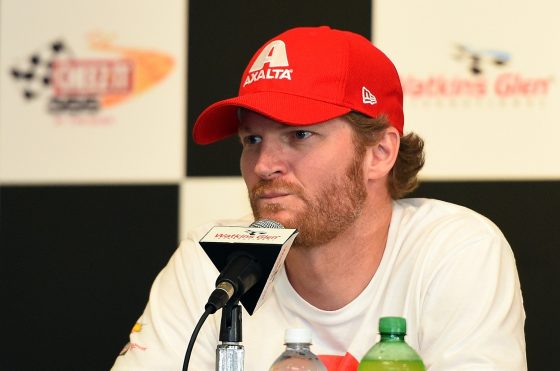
(367,97)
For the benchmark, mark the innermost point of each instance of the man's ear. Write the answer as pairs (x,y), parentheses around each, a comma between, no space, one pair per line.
(381,157)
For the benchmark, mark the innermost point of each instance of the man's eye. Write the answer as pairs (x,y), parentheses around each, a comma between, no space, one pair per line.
(302,134)
(252,139)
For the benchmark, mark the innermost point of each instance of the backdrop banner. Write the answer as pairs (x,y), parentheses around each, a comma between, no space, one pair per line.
(480,82)
(90,93)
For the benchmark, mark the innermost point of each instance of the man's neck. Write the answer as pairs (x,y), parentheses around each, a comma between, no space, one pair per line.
(332,275)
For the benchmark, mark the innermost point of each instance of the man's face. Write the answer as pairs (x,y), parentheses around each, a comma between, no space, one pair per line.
(305,177)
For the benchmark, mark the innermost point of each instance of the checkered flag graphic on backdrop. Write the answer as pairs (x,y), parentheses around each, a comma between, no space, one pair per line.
(34,73)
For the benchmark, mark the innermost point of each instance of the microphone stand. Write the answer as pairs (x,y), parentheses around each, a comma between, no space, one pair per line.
(230,354)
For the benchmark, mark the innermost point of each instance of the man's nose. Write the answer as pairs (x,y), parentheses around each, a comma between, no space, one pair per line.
(271,161)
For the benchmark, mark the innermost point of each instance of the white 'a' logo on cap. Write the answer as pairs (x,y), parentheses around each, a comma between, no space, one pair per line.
(273,54)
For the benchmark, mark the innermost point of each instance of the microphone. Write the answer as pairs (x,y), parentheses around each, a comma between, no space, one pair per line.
(239,275)
(253,252)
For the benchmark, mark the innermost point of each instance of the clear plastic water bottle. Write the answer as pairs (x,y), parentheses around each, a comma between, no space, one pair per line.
(298,355)
(391,353)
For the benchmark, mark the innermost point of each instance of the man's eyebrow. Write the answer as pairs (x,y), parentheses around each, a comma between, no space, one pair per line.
(243,128)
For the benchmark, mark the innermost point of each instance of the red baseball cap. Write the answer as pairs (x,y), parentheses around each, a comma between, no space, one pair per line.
(306,76)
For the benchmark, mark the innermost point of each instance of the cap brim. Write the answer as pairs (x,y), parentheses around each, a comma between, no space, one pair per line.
(220,120)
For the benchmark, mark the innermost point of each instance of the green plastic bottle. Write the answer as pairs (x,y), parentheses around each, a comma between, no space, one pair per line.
(392,353)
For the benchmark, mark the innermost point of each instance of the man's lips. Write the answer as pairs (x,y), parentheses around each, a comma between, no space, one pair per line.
(273,192)
(271,195)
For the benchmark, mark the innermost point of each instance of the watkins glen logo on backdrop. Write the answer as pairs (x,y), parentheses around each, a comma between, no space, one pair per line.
(487,73)
(76,86)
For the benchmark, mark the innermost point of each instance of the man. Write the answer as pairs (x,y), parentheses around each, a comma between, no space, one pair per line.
(319,115)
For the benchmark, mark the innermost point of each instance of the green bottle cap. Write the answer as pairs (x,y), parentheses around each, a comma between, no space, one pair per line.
(392,325)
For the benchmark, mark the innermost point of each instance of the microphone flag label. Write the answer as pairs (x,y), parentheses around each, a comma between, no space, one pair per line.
(269,246)
(272,236)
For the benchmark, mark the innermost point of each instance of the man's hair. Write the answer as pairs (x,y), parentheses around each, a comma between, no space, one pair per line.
(403,177)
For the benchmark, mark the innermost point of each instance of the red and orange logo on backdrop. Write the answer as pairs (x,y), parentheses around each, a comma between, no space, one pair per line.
(73,84)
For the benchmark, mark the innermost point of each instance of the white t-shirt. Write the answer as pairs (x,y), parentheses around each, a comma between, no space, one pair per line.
(448,270)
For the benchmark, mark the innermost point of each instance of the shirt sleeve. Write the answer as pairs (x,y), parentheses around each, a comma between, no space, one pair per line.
(159,339)
(472,316)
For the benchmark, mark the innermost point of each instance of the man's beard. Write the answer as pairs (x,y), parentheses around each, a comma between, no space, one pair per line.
(335,208)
